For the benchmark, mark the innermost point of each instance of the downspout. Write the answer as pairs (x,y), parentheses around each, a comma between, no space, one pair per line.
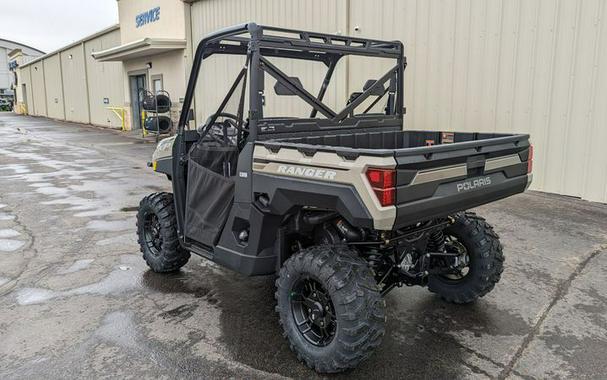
(62,85)
(44,86)
(31,83)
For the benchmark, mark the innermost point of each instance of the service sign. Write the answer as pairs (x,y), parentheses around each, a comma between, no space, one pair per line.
(148,16)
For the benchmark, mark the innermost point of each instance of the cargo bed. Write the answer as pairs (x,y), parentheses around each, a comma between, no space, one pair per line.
(437,173)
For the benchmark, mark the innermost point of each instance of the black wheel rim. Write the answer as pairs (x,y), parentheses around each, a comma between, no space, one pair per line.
(153,238)
(453,245)
(313,312)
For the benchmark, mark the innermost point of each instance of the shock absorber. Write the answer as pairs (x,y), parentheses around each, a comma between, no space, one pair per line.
(375,260)
(436,241)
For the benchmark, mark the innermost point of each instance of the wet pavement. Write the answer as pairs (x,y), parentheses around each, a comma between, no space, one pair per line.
(78,300)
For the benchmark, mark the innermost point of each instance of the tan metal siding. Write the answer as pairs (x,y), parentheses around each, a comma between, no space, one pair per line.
(532,66)
(105,80)
(507,66)
(595,164)
(74,84)
(38,89)
(54,87)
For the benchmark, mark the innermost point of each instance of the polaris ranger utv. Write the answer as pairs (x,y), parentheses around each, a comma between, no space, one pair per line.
(343,205)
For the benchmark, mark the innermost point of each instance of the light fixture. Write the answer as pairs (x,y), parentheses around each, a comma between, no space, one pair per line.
(149,65)
(69,56)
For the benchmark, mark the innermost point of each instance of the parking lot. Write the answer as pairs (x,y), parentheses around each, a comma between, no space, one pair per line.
(78,300)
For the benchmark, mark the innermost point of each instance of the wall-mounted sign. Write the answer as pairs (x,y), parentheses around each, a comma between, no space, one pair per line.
(106,100)
(147,17)
(12,65)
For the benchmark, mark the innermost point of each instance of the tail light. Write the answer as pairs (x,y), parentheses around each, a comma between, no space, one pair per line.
(383,182)
(530,159)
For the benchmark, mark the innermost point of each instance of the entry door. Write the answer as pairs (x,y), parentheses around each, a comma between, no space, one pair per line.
(137,83)
(24,96)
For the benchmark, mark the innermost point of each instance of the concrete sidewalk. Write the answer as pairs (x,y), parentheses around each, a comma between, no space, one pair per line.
(78,300)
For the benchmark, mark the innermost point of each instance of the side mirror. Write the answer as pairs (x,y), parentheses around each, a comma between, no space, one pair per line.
(191,115)
(281,89)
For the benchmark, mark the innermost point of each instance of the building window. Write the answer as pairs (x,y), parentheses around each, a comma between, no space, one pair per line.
(157,83)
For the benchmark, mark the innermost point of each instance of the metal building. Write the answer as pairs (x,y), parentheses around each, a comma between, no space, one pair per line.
(68,84)
(533,66)
(9,51)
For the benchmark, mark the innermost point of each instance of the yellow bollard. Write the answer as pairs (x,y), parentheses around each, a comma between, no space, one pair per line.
(120,112)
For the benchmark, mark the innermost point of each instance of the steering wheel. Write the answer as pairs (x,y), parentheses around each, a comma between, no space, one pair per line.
(230,120)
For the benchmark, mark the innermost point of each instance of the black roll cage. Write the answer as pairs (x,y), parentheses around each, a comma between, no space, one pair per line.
(267,41)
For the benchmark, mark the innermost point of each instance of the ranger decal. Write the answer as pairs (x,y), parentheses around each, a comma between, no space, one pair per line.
(307,172)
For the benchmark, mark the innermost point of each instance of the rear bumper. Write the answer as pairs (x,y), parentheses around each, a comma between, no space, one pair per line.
(447,199)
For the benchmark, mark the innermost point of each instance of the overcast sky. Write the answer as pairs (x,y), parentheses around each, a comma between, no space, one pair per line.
(50,24)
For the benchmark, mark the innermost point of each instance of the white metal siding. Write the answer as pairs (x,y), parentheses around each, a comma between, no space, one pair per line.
(74,85)
(105,80)
(5,74)
(54,87)
(38,89)
(72,88)
(533,66)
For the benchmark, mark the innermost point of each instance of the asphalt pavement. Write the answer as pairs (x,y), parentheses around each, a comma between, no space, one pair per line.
(79,302)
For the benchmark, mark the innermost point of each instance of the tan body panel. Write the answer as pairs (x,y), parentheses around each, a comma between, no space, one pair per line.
(164,148)
(501,162)
(330,167)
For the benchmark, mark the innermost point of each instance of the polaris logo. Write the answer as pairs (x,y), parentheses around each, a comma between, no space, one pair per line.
(473,184)
(307,172)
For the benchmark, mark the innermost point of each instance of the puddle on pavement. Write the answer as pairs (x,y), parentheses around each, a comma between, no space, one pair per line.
(88,160)
(155,188)
(29,296)
(77,266)
(130,238)
(180,313)
(118,281)
(74,182)
(247,312)
(17,169)
(5,216)
(181,282)
(110,225)
(143,142)
(10,245)
(52,191)
(8,233)
(118,328)
(40,184)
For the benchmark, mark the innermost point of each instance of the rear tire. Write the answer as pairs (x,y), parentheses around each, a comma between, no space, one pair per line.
(157,233)
(355,312)
(486,261)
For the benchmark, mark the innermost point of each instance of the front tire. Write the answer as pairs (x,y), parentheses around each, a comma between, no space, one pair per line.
(485,261)
(157,234)
(330,308)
